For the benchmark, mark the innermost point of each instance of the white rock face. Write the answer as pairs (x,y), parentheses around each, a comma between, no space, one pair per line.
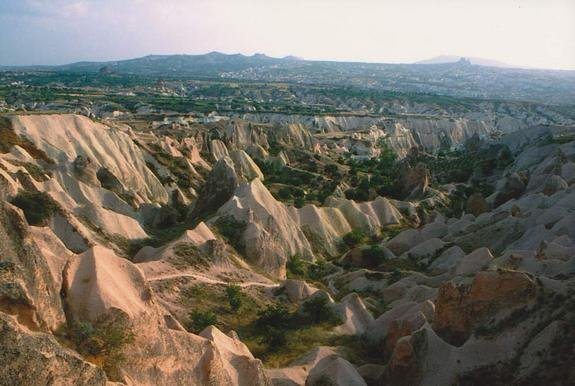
(275,231)
(99,283)
(64,137)
(245,166)
(218,149)
(272,235)
(475,261)
(337,371)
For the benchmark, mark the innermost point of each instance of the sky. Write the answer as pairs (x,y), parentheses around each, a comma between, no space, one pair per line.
(527,33)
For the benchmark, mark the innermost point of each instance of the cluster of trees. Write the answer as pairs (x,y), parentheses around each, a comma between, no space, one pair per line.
(274,322)
(200,319)
(300,269)
(104,340)
(381,175)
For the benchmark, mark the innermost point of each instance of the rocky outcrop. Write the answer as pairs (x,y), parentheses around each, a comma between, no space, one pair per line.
(99,286)
(460,307)
(219,188)
(276,232)
(28,291)
(65,137)
(272,235)
(36,358)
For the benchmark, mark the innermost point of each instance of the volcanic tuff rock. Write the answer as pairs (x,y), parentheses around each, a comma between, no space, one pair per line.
(104,146)
(276,232)
(457,299)
(34,358)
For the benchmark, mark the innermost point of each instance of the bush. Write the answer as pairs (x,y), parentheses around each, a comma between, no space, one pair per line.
(319,270)
(274,337)
(37,206)
(353,238)
(299,202)
(284,194)
(272,325)
(296,267)
(234,294)
(372,256)
(273,315)
(199,320)
(317,310)
(104,340)
(232,230)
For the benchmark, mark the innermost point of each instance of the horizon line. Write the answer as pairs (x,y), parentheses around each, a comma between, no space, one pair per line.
(503,65)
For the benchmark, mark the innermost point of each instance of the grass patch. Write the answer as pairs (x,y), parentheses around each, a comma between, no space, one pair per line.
(38,207)
(232,230)
(102,343)
(9,139)
(188,255)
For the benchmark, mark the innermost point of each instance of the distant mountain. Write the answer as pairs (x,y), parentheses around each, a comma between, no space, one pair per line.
(211,64)
(292,57)
(442,59)
(450,76)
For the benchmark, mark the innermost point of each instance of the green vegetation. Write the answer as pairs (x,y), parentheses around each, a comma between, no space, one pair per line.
(102,343)
(232,230)
(318,310)
(283,335)
(354,238)
(275,332)
(235,297)
(38,207)
(199,320)
(296,267)
(299,185)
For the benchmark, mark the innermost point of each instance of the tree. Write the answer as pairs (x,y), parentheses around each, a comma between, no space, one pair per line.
(318,310)
(272,323)
(353,238)
(296,266)
(234,294)
(372,256)
(199,320)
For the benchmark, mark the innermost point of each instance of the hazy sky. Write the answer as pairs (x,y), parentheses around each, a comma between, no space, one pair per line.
(536,33)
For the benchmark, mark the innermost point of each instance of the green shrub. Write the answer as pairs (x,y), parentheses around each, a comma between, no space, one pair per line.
(232,230)
(296,267)
(234,294)
(284,193)
(319,270)
(199,320)
(37,206)
(272,325)
(317,310)
(104,341)
(353,238)
(273,315)
(372,256)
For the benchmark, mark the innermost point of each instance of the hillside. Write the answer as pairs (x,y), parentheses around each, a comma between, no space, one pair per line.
(441,78)
(248,251)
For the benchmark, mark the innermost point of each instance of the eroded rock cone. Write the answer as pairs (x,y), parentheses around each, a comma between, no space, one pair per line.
(219,188)
(460,307)
(416,181)
(476,204)
(513,187)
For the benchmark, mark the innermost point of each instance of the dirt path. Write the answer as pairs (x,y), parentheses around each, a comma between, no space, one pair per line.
(209,280)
